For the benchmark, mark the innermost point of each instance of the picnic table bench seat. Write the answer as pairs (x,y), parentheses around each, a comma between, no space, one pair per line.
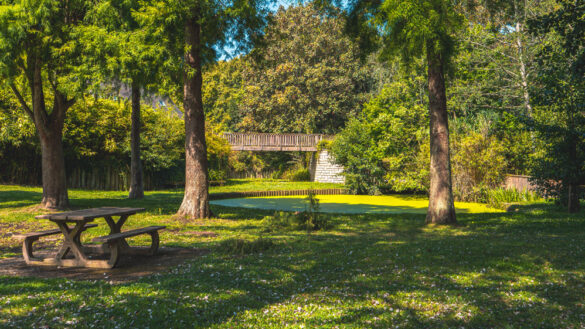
(31,237)
(151,230)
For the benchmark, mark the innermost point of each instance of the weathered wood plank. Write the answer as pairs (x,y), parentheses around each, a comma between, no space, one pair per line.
(44,233)
(85,214)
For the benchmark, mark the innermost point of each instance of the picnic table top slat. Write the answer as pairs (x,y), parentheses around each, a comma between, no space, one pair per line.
(85,214)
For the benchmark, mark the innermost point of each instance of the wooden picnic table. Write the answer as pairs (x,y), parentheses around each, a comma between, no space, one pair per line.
(72,223)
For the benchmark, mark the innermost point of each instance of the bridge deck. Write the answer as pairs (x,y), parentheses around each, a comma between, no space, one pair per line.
(274,142)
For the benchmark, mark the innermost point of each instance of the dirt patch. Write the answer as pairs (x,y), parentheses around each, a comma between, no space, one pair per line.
(129,268)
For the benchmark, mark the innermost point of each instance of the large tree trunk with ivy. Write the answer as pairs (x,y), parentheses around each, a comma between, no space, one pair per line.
(136,182)
(196,200)
(441,206)
(50,131)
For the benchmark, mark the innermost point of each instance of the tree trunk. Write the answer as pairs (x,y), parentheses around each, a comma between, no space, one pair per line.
(522,69)
(441,207)
(53,167)
(196,200)
(136,183)
(573,202)
(50,132)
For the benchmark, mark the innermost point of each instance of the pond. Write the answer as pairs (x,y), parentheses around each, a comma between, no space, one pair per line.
(350,204)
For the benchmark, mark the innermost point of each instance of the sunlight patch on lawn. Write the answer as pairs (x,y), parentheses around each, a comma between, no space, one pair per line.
(350,204)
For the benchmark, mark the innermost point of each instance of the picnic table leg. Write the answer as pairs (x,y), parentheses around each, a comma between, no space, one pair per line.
(27,250)
(71,243)
(111,262)
(154,245)
(116,227)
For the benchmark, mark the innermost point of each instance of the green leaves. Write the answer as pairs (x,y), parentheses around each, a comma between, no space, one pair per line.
(381,146)
(408,29)
(307,78)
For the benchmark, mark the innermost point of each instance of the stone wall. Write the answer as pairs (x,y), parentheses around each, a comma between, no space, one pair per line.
(324,170)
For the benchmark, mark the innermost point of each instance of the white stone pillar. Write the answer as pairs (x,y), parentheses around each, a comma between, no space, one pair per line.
(326,171)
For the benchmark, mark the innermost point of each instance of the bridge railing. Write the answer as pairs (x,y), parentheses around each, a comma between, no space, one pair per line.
(274,142)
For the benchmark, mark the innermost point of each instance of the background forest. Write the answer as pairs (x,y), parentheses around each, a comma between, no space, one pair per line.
(515,97)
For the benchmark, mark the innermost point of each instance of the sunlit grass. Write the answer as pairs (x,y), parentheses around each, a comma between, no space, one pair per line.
(352,204)
(494,270)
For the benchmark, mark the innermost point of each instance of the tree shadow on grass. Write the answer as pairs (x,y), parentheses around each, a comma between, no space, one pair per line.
(17,199)
(393,272)
(154,203)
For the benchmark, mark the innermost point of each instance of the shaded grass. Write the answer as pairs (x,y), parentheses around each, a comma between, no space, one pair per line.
(522,270)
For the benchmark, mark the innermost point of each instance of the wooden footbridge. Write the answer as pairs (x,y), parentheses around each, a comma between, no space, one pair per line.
(274,142)
(322,168)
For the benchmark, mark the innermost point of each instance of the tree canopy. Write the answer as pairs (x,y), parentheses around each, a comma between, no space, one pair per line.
(306,78)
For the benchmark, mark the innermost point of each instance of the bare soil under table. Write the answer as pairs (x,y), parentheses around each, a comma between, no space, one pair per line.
(129,268)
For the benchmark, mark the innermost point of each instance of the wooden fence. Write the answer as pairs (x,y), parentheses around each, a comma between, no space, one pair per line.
(115,179)
(98,179)
(519,183)
(267,173)
(231,195)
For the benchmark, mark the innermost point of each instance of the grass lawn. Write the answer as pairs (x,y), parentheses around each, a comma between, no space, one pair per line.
(524,269)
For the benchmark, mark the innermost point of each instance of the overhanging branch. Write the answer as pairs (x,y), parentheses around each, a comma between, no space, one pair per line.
(23,103)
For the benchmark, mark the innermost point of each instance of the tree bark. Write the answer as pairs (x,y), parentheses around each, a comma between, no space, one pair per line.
(522,69)
(441,206)
(573,202)
(50,131)
(196,200)
(53,167)
(136,182)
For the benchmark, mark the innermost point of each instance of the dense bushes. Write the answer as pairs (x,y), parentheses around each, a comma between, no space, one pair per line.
(478,163)
(386,148)
(301,175)
(382,146)
(97,136)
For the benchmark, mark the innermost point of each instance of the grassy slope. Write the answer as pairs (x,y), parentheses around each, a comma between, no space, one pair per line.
(496,269)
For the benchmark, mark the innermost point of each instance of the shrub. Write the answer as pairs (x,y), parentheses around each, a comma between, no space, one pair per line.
(324,145)
(237,246)
(301,175)
(478,163)
(308,220)
(311,219)
(217,175)
(280,221)
(279,173)
(497,198)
